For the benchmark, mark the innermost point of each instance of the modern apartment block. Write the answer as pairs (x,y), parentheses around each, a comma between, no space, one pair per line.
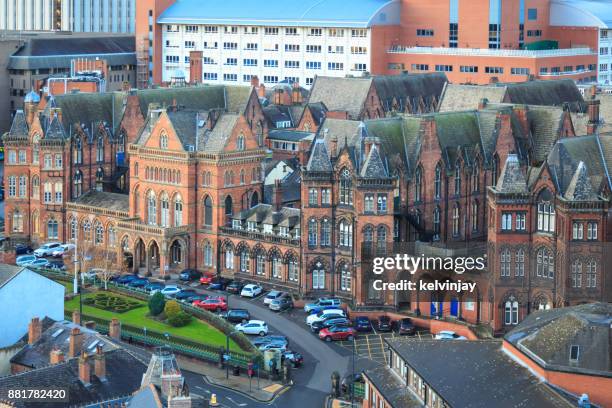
(477,42)
(115,16)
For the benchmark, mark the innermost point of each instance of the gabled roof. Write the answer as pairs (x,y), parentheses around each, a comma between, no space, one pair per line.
(55,130)
(319,157)
(215,140)
(341,94)
(188,125)
(373,167)
(512,180)
(89,109)
(406,88)
(198,98)
(545,122)
(8,272)
(546,93)
(458,97)
(19,127)
(104,199)
(580,188)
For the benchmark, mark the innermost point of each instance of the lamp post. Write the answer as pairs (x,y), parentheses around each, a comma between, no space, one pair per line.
(227,353)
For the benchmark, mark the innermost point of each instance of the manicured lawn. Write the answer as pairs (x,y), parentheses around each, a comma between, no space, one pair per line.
(196,330)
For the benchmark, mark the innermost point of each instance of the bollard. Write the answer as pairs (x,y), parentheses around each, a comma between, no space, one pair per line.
(213,400)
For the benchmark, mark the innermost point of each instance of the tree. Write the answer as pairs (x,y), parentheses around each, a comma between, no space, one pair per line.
(156,304)
(172,308)
(100,260)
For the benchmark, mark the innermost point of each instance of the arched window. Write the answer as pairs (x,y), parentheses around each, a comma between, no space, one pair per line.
(476,177)
(505,260)
(346,189)
(242,179)
(52,229)
(346,234)
(165,210)
(77,153)
(36,187)
(100,149)
(381,238)
(35,223)
(23,186)
(576,274)
(151,208)
(437,182)
(227,179)
(511,312)
(474,215)
(520,262)
(73,229)
(137,200)
(591,275)
(176,251)
(293,269)
(121,142)
(276,266)
(457,178)
(99,234)
(418,184)
(312,233)
(368,234)
(545,263)
(229,257)
(456,220)
(245,260)
(318,276)
(546,212)
(260,263)
(495,170)
(345,278)
(112,235)
(78,184)
(36,149)
(17,221)
(436,223)
(325,233)
(208,211)
(99,179)
(87,231)
(240,142)
(163,141)
(208,255)
(178,211)
(229,206)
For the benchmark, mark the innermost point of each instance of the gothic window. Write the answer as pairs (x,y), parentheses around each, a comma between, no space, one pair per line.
(229,209)
(511,312)
(165,210)
(48,193)
(475,215)
(73,229)
(36,187)
(318,276)
(227,178)
(163,141)
(100,149)
(505,261)
(293,269)
(325,233)
(312,233)
(260,263)
(346,189)
(576,270)
(418,184)
(151,208)
(381,238)
(242,178)
(368,234)
(245,260)
(112,235)
(12,190)
(99,179)
(240,143)
(52,229)
(495,170)
(456,220)
(59,192)
(520,262)
(77,153)
(121,143)
(345,278)
(437,182)
(36,149)
(208,216)
(17,221)
(546,212)
(476,177)
(208,255)
(277,267)
(545,263)
(78,184)
(23,186)
(457,178)
(35,222)
(87,231)
(436,223)
(229,257)
(346,234)
(178,211)
(591,275)
(99,234)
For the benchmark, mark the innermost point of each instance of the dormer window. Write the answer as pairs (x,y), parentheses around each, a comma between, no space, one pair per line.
(251,226)
(284,231)
(236,224)
(267,228)
(240,143)
(163,141)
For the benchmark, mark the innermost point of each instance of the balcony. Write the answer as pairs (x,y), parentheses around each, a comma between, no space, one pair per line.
(135,224)
(564,73)
(258,236)
(486,52)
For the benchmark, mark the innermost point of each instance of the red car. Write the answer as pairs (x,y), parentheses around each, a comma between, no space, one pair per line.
(337,333)
(212,304)
(206,279)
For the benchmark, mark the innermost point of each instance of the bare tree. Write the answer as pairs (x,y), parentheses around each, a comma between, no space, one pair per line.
(101,261)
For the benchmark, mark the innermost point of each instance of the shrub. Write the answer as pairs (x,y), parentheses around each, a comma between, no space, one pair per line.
(172,308)
(179,319)
(156,304)
(106,301)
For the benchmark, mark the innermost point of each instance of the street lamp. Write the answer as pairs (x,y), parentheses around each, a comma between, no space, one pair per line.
(226,357)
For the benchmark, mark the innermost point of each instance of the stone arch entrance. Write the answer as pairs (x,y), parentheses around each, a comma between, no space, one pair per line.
(153,257)
(140,258)
(178,255)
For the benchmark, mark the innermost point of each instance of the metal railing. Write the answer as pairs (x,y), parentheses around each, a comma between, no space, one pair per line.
(486,52)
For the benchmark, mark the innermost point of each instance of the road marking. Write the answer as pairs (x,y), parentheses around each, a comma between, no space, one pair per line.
(368,344)
(203,389)
(240,404)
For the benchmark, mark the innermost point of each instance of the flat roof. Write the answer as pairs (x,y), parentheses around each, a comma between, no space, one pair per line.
(292,13)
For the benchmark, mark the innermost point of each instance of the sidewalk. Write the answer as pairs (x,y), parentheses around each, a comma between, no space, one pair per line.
(264,391)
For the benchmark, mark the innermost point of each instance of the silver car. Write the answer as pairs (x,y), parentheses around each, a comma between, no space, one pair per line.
(282,303)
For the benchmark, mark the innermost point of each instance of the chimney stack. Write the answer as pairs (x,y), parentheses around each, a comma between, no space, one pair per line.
(100,364)
(261,91)
(56,356)
(255,81)
(34,330)
(195,67)
(296,94)
(76,342)
(114,329)
(76,317)
(278,195)
(84,369)
(333,144)
(90,324)
(593,112)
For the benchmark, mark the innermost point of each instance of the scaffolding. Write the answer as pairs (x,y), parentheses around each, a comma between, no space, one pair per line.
(142,63)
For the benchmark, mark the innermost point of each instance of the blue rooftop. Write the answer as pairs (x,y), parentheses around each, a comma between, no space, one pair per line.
(581,13)
(291,13)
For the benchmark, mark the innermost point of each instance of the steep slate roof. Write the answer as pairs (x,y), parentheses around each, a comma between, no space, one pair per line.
(215,140)
(106,200)
(55,130)
(199,98)
(373,167)
(289,135)
(581,119)
(391,388)
(123,376)
(341,94)
(475,374)
(188,126)
(458,97)
(89,108)
(317,110)
(19,127)
(8,272)
(457,129)
(319,157)
(545,124)
(580,187)
(546,93)
(549,334)
(408,88)
(512,179)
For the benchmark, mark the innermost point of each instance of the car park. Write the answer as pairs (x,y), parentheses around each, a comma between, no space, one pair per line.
(384,324)
(24,260)
(273,346)
(62,250)
(206,279)
(280,304)
(184,294)
(273,295)
(258,327)
(46,249)
(449,335)
(57,266)
(337,333)
(196,297)
(294,357)
(324,314)
(251,290)
(188,275)
(327,323)
(138,283)
(235,287)
(92,273)
(363,324)
(405,327)
(23,249)
(211,304)
(237,316)
(219,283)
(321,304)
(154,286)
(39,263)
(125,279)
(170,290)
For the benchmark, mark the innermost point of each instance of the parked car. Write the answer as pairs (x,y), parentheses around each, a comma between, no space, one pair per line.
(449,335)
(323,315)
(405,326)
(237,315)
(22,249)
(212,304)
(219,283)
(39,263)
(170,290)
(189,275)
(184,294)
(321,304)
(273,345)
(138,283)
(337,333)
(282,303)
(363,324)
(258,341)
(62,250)
(206,279)
(251,290)
(154,287)
(235,287)
(93,273)
(24,260)
(384,324)
(296,358)
(196,297)
(327,323)
(57,266)
(125,279)
(273,295)
(46,249)
(253,327)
